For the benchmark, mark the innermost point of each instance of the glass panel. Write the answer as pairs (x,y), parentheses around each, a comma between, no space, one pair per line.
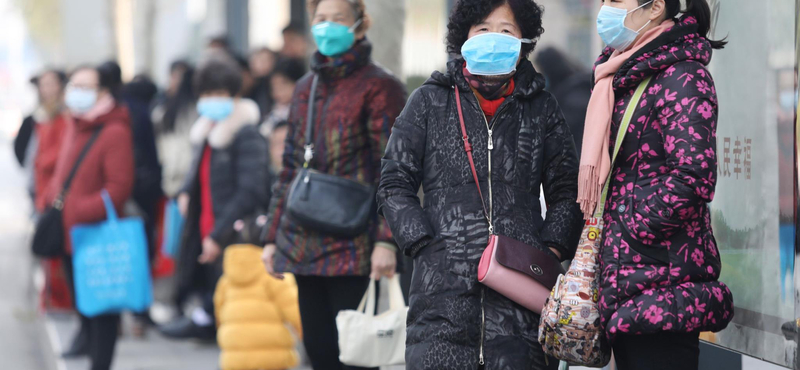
(753,212)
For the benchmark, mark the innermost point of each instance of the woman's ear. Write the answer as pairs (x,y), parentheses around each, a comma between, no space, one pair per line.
(361,30)
(658,10)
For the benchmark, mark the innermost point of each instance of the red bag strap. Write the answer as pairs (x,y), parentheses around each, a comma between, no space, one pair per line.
(468,149)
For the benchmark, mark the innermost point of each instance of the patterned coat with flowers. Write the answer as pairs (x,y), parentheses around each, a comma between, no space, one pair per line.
(356,104)
(660,262)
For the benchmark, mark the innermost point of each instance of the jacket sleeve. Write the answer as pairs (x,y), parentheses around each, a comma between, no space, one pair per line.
(563,223)
(117,148)
(401,177)
(383,106)
(284,294)
(292,160)
(251,180)
(686,107)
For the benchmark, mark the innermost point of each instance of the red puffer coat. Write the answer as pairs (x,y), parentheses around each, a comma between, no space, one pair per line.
(108,165)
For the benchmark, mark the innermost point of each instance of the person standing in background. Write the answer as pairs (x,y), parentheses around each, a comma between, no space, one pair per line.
(283,81)
(138,95)
(295,42)
(227,182)
(109,166)
(45,130)
(46,123)
(262,63)
(570,85)
(173,116)
(355,107)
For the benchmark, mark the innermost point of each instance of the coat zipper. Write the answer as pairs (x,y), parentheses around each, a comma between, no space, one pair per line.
(490,216)
(483,326)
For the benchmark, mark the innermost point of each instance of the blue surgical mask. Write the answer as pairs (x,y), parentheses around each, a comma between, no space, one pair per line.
(80,100)
(492,54)
(333,38)
(611,27)
(215,108)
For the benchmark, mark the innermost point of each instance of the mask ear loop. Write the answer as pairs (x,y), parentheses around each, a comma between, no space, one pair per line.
(355,25)
(641,6)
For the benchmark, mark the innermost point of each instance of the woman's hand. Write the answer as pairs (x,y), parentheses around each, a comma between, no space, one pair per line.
(211,251)
(384,263)
(269,262)
(183,203)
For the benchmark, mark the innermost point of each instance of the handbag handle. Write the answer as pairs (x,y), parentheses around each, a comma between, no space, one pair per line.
(309,147)
(368,300)
(111,213)
(623,129)
(396,300)
(468,149)
(58,203)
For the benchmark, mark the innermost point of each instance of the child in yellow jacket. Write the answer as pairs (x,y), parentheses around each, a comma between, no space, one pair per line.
(253,309)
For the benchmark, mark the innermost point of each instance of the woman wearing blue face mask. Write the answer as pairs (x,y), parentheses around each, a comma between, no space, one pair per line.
(101,124)
(516,137)
(339,122)
(659,286)
(227,182)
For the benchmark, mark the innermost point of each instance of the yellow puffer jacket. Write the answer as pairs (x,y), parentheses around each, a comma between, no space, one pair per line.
(252,312)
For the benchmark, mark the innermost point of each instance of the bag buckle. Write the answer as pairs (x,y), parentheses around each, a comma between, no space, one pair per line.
(58,203)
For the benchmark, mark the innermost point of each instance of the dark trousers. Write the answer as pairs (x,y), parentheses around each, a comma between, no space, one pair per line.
(101,331)
(662,351)
(321,299)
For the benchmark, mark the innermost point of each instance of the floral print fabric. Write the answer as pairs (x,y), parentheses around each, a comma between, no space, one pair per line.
(659,260)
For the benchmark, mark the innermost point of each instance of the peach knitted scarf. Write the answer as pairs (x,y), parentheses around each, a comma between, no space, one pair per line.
(595,159)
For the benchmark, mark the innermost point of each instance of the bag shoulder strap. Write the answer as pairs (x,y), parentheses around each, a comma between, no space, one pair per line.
(623,129)
(468,149)
(58,203)
(312,97)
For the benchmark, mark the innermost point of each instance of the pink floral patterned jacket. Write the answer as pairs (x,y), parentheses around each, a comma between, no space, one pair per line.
(660,263)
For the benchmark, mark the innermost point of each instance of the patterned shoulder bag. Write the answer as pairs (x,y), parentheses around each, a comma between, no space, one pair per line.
(570,328)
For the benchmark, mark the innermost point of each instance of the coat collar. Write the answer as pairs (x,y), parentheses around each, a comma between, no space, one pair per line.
(344,65)
(527,81)
(221,134)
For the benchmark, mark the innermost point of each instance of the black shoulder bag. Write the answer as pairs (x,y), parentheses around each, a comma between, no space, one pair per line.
(330,205)
(48,238)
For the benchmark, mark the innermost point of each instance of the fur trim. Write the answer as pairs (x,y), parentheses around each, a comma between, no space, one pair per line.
(221,134)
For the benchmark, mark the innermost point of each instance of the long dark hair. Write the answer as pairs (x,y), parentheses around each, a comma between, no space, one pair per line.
(698,9)
(183,97)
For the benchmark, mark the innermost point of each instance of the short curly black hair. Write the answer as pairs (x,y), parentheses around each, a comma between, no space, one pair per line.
(467,13)
(218,71)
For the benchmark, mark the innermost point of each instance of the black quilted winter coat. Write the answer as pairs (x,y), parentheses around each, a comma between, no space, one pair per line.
(446,236)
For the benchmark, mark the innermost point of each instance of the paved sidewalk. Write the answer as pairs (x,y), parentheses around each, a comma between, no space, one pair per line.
(153,352)
(21,346)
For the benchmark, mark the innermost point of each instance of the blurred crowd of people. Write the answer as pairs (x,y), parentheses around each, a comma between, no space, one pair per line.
(215,142)
(154,146)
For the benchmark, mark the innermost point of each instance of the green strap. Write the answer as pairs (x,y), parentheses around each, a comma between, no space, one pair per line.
(623,129)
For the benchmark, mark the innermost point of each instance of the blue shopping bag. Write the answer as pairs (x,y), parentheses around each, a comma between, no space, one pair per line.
(173,228)
(111,265)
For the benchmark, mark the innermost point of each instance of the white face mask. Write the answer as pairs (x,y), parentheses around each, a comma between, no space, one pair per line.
(80,100)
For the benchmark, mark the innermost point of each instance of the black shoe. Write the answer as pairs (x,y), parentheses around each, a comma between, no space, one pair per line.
(79,346)
(185,328)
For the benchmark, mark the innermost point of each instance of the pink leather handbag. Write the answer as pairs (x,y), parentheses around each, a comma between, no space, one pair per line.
(520,272)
